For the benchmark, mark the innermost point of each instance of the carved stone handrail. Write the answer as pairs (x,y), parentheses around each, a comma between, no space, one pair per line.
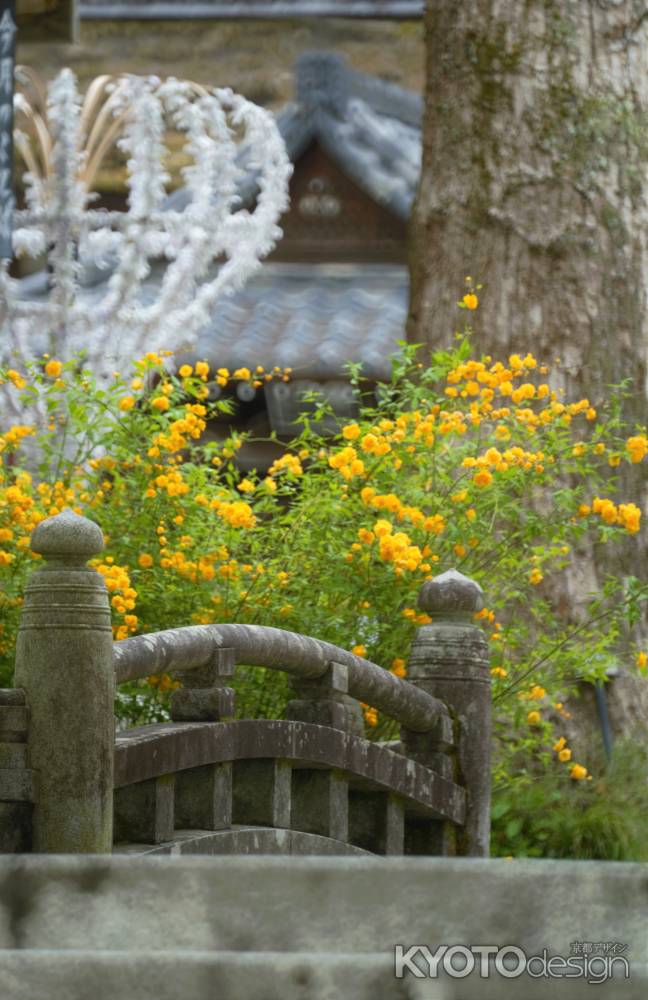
(262,646)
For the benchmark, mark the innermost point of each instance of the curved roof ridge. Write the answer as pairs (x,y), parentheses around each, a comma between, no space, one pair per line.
(325,81)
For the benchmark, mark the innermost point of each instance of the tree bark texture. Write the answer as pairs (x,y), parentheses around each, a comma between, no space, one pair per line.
(535,183)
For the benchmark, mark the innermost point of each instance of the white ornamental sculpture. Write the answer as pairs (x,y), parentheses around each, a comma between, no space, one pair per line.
(121,318)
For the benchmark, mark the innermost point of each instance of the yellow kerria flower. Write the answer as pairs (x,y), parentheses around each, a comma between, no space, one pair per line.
(398,667)
(470,300)
(637,447)
(185,371)
(535,576)
(641,659)
(16,378)
(53,369)
(145,560)
(564,755)
(160,403)
(533,718)
(370,716)
(127,403)
(560,744)
(578,772)
(483,478)
(359,650)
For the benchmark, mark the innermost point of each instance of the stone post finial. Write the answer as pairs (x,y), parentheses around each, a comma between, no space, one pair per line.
(64,662)
(450,659)
(67,537)
(451,593)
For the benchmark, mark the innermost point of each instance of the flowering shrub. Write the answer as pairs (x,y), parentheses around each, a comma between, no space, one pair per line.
(469,462)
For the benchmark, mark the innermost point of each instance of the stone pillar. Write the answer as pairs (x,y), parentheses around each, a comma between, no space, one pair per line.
(325,701)
(204,695)
(64,663)
(450,660)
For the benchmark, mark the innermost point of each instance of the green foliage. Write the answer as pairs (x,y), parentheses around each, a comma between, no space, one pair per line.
(543,815)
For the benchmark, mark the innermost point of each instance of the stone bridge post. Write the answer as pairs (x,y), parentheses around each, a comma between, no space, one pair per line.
(64,662)
(450,659)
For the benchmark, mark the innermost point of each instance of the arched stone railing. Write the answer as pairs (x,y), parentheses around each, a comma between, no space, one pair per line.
(300,655)
(207,783)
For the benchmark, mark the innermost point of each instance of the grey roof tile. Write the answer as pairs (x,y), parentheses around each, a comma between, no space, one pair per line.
(321,317)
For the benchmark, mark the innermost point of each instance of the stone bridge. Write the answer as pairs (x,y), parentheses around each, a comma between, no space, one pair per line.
(209,783)
(99,893)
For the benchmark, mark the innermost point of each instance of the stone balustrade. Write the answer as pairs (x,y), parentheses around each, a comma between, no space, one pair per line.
(209,783)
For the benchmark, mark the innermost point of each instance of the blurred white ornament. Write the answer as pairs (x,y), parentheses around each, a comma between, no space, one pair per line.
(119,319)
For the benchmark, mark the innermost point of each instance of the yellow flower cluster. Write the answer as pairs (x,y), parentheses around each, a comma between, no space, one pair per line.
(370,714)
(347,463)
(637,447)
(500,461)
(560,747)
(15,435)
(179,431)
(118,584)
(163,682)
(289,462)
(238,514)
(415,617)
(482,382)
(434,523)
(397,548)
(627,515)
(398,667)
(15,378)
(576,771)
(170,481)
(189,569)
(373,445)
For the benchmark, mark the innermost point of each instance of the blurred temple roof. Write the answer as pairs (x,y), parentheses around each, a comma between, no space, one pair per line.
(316,317)
(312,318)
(372,128)
(232,9)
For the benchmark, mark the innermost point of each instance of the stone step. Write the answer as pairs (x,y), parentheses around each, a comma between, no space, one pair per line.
(170,975)
(354,904)
(329,914)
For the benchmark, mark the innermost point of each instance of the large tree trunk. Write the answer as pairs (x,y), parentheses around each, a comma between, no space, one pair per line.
(535,182)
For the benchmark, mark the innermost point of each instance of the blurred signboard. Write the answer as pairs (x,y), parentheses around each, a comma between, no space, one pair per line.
(47,20)
(7,54)
(235,9)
